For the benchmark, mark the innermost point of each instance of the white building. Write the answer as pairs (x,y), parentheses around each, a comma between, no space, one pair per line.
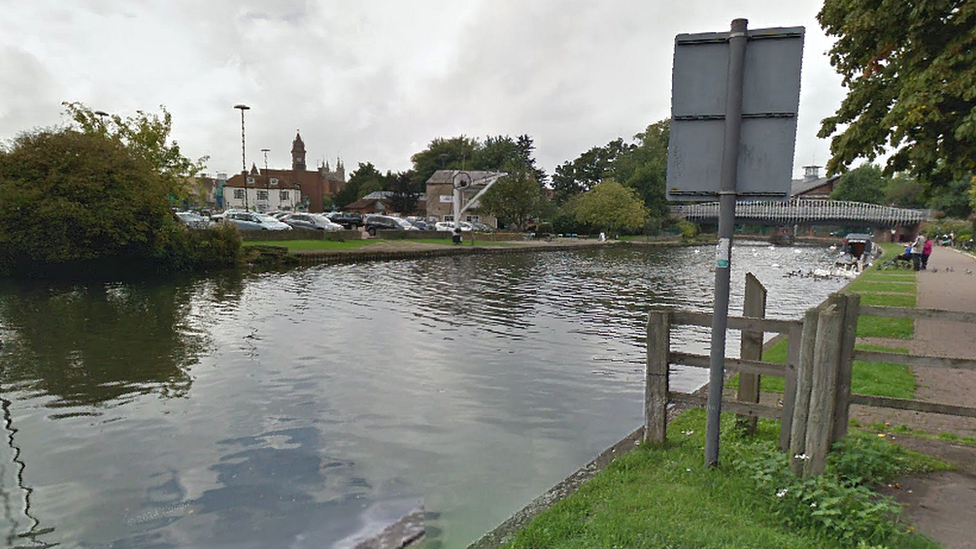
(263,194)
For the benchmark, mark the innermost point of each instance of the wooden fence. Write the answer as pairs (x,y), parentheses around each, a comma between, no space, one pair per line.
(820,356)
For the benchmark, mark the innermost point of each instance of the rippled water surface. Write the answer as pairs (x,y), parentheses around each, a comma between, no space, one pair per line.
(307,408)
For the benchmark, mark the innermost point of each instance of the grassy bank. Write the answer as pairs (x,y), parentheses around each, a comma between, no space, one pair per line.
(664,497)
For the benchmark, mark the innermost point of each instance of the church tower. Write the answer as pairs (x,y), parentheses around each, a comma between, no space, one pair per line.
(298,153)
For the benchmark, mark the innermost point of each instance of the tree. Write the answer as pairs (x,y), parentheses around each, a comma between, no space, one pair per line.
(611,206)
(953,199)
(405,192)
(146,135)
(68,196)
(362,181)
(904,191)
(644,167)
(863,184)
(444,154)
(587,170)
(909,70)
(515,198)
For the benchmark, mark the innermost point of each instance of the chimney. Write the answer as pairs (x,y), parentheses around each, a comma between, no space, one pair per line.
(811,173)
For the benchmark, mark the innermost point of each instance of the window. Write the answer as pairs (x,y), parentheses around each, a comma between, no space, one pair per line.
(283,195)
(448,218)
(474,219)
(239,194)
(262,195)
(274,180)
(250,180)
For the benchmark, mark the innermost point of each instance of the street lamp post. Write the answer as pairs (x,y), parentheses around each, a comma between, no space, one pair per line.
(267,178)
(243,108)
(101,120)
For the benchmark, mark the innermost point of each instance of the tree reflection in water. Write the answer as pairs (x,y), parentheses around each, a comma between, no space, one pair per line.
(103,343)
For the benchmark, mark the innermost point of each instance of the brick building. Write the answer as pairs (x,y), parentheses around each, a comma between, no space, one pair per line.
(315,185)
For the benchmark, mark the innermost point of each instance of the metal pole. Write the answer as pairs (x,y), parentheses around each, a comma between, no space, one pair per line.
(243,108)
(726,220)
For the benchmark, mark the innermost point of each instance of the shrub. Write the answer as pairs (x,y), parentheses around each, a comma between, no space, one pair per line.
(688,229)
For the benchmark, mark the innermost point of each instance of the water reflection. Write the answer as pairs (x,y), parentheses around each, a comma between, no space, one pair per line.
(300,409)
(102,343)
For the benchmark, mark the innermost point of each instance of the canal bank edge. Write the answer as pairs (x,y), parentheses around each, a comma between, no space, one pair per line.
(505,532)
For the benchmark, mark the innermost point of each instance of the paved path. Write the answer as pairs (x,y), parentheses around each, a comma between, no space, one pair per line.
(943,505)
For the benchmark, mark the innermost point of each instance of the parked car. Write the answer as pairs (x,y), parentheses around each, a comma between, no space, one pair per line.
(251,221)
(479,226)
(316,222)
(449,226)
(193,220)
(421,225)
(349,220)
(386,222)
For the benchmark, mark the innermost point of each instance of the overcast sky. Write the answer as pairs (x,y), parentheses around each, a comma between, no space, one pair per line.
(376,80)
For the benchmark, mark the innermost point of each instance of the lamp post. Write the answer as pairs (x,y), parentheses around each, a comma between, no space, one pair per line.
(267,178)
(243,108)
(101,119)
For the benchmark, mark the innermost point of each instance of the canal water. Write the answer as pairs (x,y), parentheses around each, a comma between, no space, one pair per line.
(308,408)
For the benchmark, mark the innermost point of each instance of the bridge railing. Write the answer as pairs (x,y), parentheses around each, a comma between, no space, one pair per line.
(804,211)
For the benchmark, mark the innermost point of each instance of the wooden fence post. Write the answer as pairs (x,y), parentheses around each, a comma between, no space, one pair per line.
(789,386)
(843,402)
(751,344)
(823,391)
(804,380)
(656,379)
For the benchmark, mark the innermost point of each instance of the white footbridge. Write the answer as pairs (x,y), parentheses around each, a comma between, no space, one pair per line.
(805,212)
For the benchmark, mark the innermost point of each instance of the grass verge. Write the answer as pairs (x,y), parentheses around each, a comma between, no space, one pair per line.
(659,497)
(294,245)
(867,378)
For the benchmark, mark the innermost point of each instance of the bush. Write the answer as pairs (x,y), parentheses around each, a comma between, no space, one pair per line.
(186,249)
(688,229)
(839,503)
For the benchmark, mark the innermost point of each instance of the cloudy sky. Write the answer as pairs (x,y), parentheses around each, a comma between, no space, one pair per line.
(376,80)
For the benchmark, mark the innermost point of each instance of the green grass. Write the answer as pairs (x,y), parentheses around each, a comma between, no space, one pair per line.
(293,245)
(867,378)
(881,285)
(465,242)
(664,497)
(888,300)
(877,326)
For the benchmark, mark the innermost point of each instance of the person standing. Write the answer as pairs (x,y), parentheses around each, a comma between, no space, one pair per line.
(917,248)
(926,252)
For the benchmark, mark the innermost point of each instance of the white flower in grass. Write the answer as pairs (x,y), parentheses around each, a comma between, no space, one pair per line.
(781,493)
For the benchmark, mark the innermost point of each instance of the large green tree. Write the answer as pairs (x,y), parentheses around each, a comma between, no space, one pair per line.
(405,191)
(644,167)
(68,196)
(444,154)
(908,66)
(863,184)
(494,153)
(515,198)
(146,135)
(611,206)
(587,170)
(362,181)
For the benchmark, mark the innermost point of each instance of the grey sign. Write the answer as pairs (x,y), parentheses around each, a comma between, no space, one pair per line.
(770,100)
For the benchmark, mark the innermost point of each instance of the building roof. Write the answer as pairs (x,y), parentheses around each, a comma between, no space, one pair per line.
(802,186)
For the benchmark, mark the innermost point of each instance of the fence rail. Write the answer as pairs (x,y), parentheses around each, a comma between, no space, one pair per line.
(820,356)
